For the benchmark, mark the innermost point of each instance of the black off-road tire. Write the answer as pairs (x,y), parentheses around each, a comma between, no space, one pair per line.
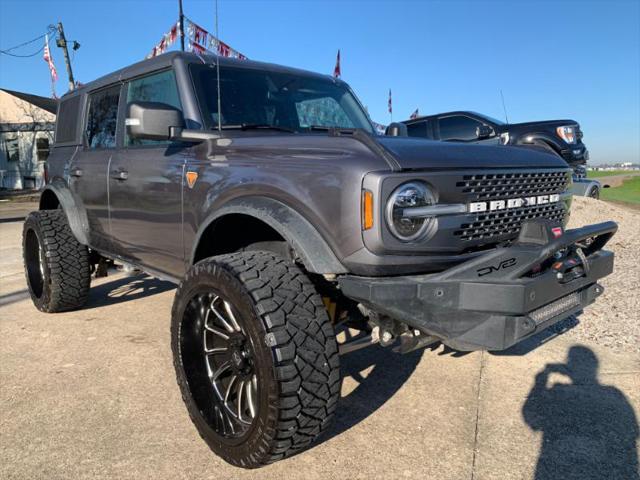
(56,264)
(295,349)
(594,193)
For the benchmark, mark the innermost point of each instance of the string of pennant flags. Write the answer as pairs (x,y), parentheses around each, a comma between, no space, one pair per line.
(198,39)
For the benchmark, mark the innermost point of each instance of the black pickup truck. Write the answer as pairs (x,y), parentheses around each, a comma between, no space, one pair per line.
(562,137)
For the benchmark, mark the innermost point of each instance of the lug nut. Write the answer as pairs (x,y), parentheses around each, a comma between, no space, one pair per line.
(386,336)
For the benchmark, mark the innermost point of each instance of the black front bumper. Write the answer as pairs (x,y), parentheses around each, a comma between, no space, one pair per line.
(497,299)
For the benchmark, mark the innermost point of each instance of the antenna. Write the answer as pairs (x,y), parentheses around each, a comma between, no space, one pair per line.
(218,72)
(503,105)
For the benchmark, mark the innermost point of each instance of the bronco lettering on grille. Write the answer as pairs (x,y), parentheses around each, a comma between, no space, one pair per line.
(507,204)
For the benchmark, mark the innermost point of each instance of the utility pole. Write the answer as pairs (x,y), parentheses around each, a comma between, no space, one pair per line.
(181,25)
(62,43)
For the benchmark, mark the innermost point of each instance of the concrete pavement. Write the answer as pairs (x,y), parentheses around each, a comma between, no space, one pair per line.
(92,394)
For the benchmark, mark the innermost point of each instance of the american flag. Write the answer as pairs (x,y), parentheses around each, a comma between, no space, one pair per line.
(47,58)
(390,104)
(414,114)
(336,70)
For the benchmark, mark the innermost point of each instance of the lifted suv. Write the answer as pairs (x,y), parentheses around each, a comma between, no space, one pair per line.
(282,217)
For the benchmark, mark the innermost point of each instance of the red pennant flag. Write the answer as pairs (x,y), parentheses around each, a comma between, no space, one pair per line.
(336,70)
(390,103)
(414,115)
(223,49)
(197,49)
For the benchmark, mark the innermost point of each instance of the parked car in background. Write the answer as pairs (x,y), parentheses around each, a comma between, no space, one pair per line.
(560,137)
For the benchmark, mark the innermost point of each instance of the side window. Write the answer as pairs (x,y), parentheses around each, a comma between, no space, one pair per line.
(42,148)
(322,111)
(458,128)
(12,148)
(159,87)
(102,118)
(417,129)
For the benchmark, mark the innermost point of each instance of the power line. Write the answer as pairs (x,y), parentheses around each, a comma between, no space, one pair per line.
(7,51)
(23,56)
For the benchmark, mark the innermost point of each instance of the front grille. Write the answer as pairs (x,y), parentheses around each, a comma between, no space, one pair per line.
(507,222)
(488,226)
(495,186)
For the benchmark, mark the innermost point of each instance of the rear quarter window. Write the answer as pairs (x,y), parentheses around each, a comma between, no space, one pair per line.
(67,120)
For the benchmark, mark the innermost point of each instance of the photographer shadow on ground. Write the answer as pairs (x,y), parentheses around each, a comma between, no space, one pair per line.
(589,429)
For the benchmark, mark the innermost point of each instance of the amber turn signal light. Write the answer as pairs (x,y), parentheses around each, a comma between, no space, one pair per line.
(367,210)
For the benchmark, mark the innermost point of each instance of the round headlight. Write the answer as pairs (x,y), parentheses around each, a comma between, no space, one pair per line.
(407,196)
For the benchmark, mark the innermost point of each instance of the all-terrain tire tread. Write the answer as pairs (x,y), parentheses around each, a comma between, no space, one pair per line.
(67,261)
(303,344)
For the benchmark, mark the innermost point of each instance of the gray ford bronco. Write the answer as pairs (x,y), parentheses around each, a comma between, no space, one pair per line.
(265,194)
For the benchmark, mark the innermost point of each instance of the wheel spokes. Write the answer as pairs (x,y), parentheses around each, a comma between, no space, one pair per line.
(232,317)
(228,327)
(228,357)
(221,369)
(231,382)
(214,351)
(250,397)
(216,331)
(239,391)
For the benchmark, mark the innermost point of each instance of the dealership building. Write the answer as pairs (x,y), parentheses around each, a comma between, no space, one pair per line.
(26,134)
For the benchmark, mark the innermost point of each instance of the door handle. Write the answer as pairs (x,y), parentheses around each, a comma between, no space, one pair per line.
(120,174)
(76,172)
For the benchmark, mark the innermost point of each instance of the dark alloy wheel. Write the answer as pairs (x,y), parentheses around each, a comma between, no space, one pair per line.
(255,355)
(56,265)
(217,337)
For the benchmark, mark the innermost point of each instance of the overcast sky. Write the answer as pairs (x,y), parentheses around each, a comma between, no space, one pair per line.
(552,59)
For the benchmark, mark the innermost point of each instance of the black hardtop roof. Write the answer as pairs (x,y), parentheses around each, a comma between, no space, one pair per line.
(455,112)
(168,59)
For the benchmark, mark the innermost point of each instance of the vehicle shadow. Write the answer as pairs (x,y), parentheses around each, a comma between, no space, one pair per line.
(390,371)
(589,429)
(125,289)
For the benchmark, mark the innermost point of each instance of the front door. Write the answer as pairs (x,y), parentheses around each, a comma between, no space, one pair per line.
(145,187)
(88,168)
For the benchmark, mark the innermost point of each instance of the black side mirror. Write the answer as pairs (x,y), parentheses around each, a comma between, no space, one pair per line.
(483,131)
(396,129)
(152,120)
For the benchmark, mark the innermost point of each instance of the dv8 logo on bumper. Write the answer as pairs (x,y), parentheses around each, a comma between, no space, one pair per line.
(510,262)
(507,204)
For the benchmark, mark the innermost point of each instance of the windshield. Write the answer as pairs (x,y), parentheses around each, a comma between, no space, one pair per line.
(264,98)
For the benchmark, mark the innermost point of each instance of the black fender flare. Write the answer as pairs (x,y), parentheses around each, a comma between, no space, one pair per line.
(77,217)
(315,253)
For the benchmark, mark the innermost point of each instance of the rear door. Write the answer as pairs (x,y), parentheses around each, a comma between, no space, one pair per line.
(145,186)
(88,168)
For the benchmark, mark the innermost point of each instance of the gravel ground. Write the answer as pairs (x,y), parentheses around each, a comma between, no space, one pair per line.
(614,319)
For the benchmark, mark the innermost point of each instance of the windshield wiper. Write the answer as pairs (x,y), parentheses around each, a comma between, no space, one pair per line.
(334,130)
(257,126)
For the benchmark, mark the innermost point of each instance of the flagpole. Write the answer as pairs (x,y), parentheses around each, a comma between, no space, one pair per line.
(181,16)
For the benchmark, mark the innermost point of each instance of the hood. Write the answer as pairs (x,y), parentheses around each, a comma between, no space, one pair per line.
(415,154)
(541,123)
